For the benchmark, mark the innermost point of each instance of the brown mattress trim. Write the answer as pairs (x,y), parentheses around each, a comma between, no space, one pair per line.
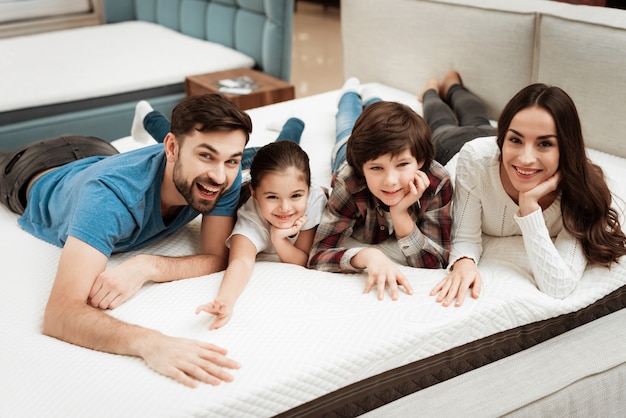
(371,393)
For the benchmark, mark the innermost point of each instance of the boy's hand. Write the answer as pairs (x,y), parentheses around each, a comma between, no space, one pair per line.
(417,186)
(382,272)
(223,311)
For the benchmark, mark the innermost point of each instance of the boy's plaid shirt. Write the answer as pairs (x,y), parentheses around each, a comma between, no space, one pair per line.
(351,205)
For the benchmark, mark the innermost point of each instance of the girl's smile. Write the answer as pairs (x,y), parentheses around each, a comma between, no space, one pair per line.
(282,197)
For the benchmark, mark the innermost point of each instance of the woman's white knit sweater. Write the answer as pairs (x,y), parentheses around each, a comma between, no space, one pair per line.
(482,206)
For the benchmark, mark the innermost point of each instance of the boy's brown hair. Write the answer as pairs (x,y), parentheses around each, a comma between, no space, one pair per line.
(389,128)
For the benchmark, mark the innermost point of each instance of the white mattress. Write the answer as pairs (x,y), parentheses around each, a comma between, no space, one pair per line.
(111,59)
(299,334)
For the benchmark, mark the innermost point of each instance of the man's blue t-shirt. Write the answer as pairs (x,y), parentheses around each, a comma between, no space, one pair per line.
(111,203)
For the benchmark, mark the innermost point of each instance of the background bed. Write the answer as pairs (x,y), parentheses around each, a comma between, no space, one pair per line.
(88,79)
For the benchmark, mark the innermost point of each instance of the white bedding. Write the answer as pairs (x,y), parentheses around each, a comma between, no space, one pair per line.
(298,333)
(111,58)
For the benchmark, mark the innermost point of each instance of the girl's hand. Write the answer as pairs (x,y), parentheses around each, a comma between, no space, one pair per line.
(277,234)
(464,275)
(529,201)
(223,311)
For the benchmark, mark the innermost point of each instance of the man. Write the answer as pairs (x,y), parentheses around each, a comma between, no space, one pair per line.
(80,194)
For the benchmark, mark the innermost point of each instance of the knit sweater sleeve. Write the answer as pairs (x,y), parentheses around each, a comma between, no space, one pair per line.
(467,209)
(557,266)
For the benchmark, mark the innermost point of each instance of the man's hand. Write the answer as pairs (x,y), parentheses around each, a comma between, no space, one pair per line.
(222,310)
(189,361)
(116,285)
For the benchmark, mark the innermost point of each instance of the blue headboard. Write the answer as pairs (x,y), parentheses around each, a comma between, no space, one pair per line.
(260,29)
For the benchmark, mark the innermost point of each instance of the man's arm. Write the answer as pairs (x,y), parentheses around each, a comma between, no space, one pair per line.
(68,317)
(115,285)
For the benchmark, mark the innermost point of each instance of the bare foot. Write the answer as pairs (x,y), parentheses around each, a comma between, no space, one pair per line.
(432,84)
(450,79)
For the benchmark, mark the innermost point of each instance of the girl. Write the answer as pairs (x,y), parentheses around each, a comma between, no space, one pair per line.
(280,217)
(535,180)
(279,210)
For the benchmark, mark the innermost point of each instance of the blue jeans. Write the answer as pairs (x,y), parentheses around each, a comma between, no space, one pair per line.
(158,126)
(348,111)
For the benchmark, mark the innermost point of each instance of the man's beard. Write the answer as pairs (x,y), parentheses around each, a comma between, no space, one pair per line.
(187,190)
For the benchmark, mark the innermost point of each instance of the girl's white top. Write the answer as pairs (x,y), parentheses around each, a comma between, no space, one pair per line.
(251,224)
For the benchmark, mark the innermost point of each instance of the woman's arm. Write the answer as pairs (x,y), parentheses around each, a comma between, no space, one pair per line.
(557,266)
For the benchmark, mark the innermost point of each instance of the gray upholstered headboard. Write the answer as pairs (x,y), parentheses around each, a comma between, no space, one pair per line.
(498,47)
(258,28)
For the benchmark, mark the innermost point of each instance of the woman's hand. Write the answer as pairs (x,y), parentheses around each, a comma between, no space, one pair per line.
(463,276)
(530,201)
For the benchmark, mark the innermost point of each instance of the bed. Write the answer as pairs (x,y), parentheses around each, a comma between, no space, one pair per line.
(310,343)
(93,74)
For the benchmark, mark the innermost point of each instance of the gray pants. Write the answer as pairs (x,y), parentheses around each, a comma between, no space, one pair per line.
(461,119)
(18,167)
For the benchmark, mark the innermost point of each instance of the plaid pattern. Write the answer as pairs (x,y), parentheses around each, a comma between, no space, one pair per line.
(351,205)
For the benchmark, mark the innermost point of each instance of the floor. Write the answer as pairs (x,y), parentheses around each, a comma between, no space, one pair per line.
(317,54)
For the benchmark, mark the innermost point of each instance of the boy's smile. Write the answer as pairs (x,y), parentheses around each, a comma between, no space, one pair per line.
(388,176)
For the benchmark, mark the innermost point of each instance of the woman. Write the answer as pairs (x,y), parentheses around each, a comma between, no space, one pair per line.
(535,180)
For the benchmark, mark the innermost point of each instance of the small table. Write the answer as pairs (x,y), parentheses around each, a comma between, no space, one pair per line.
(267,89)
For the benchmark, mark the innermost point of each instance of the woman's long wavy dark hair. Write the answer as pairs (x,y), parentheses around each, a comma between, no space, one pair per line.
(585,196)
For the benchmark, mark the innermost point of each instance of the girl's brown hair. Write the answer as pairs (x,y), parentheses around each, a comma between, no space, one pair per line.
(277,157)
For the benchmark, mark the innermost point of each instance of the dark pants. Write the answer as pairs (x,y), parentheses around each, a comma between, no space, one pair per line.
(18,167)
(464,119)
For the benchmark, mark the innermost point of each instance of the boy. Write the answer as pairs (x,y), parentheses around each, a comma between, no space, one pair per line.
(389,194)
